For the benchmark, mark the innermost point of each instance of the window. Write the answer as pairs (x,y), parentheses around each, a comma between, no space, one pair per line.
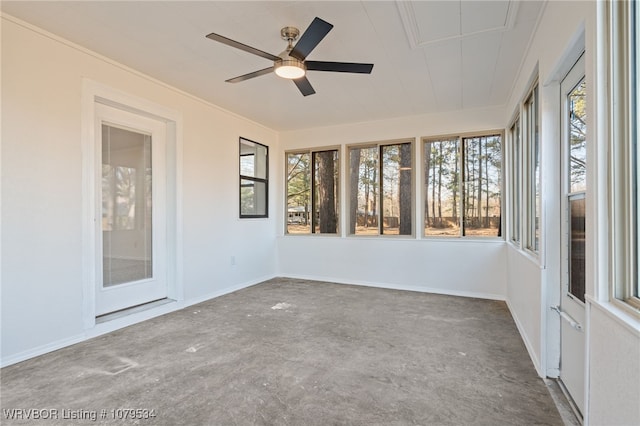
(381,182)
(622,83)
(633,290)
(462,186)
(532,170)
(312,211)
(516,178)
(442,189)
(574,173)
(126,199)
(254,179)
(118,198)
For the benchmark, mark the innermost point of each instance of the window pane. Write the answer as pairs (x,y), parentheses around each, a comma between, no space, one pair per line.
(515,181)
(532,191)
(482,181)
(578,138)
(325,199)
(635,289)
(397,203)
(577,247)
(126,206)
(442,193)
(253,159)
(298,194)
(118,197)
(536,172)
(364,184)
(253,197)
(247,164)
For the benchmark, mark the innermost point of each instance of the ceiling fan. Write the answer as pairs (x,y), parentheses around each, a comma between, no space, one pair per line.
(291,63)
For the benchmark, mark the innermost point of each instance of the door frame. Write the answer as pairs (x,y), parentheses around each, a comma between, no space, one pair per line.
(94,93)
(571,308)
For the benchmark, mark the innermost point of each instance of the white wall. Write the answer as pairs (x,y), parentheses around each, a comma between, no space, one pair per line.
(452,266)
(614,357)
(529,294)
(470,268)
(613,344)
(525,297)
(42,162)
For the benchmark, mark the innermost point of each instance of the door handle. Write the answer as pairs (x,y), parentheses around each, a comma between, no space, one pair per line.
(565,316)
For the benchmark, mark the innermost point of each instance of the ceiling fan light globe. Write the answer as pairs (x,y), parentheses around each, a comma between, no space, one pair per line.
(290,72)
(290,69)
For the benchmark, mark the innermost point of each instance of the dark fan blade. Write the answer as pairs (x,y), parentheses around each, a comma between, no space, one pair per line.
(304,86)
(310,39)
(250,75)
(238,45)
(339,67)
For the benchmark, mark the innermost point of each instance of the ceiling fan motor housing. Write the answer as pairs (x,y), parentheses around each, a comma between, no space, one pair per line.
(290,34)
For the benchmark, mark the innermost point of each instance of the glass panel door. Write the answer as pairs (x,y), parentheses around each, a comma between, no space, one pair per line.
(126,206)
(130,210)
(574,253)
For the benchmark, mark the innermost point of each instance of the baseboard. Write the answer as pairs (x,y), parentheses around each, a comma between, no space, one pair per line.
(393,286)
(532,354)
(41,350)
(109,326)
(227,290)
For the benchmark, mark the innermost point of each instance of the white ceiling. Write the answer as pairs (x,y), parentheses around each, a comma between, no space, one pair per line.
(429,55)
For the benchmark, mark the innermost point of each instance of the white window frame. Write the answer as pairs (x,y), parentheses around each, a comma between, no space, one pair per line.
(379,145)
(531,184)
(338,195)
(515,181)
(621,40)
(461,160)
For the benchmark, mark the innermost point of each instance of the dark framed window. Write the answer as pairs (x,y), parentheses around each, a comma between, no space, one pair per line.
(254,179)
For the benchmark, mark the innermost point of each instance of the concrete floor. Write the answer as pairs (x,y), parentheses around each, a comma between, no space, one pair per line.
(293,352)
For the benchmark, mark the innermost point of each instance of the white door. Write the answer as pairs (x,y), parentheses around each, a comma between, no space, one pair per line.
(130,210)
(574,191)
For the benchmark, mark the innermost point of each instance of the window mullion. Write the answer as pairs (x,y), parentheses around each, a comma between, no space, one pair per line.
(313,192)
(461,180)
(380,192)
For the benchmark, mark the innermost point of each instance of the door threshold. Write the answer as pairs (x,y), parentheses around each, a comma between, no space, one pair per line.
(132,310)
(568,410)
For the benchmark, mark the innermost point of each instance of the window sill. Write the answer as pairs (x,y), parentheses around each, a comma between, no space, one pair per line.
(466,239)
(463,240)
(624,317)
(312,235)
(527,254)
